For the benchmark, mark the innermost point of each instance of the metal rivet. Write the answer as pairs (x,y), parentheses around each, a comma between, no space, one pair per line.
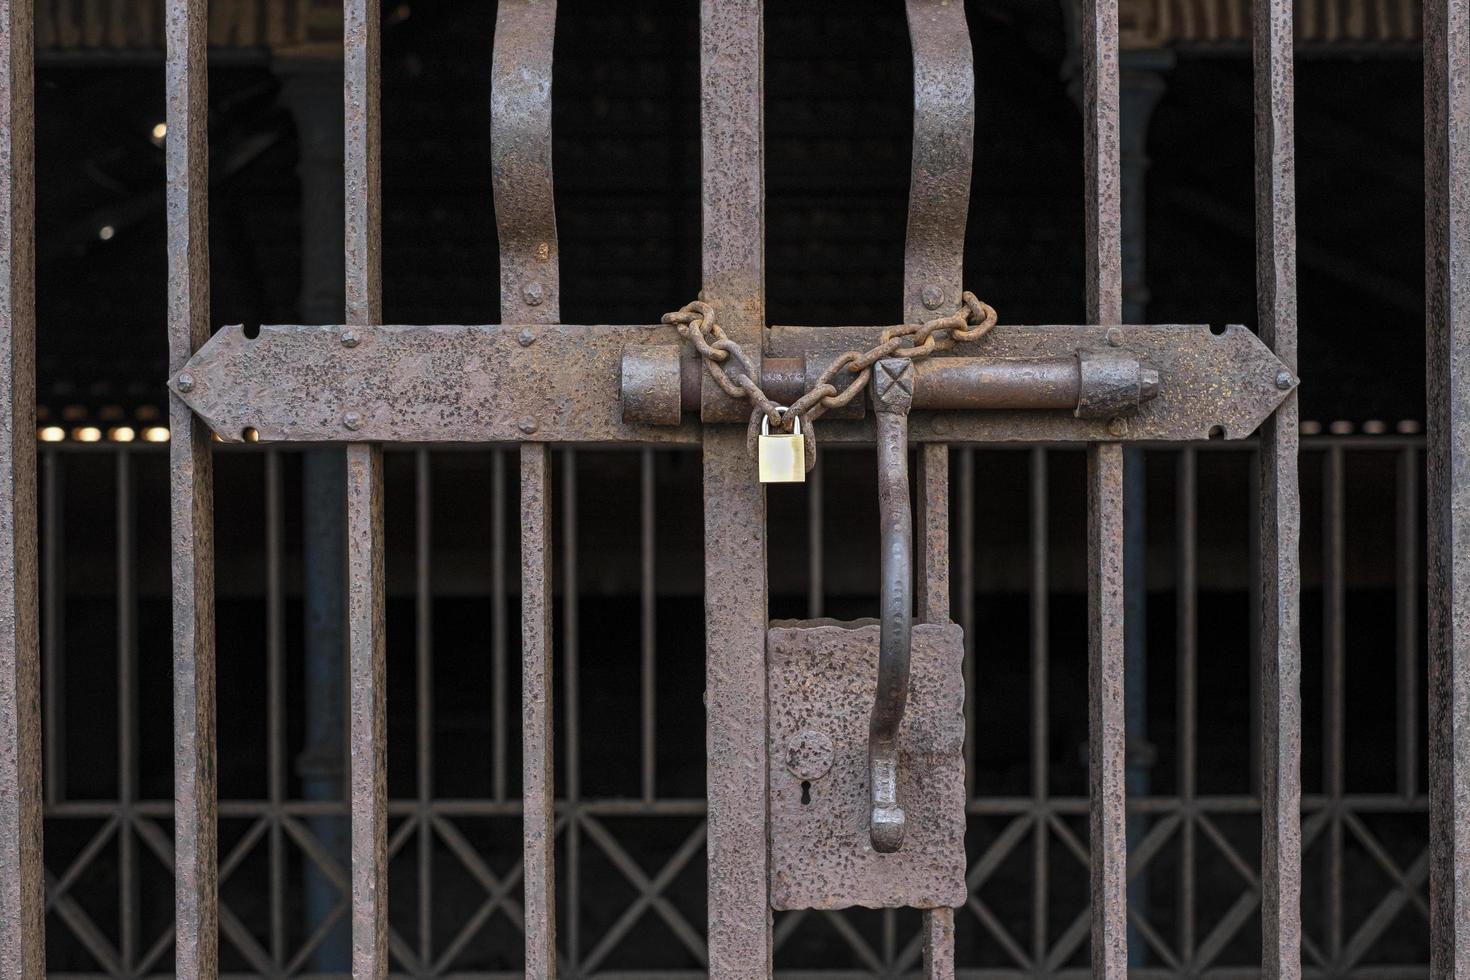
(533,294)
(1118,426)
(1283,380)
(1115,337)
(186,382)
(352,420)
(931,296)
(527,337)
(528,425)
(350,338)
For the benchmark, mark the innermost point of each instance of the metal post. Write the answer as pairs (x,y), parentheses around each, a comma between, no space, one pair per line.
(1447,289)
(22,901)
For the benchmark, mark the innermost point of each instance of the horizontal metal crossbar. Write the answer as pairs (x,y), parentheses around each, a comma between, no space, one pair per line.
(560,383)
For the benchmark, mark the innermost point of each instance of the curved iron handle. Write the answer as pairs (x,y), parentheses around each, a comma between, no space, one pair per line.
(893,386)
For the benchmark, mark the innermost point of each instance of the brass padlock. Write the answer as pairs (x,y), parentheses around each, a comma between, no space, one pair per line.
(783,455)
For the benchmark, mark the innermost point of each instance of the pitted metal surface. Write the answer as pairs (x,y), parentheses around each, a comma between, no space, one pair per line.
(821,677)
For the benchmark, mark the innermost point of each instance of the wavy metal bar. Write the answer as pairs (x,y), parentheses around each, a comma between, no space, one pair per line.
(530,288)
(22,899)
(1447,287)
(196,827)
(520,156)
(944,153)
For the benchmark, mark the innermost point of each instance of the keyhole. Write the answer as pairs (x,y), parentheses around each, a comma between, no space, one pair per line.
(806,792)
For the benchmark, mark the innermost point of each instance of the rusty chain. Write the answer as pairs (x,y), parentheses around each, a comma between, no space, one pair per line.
(696,323)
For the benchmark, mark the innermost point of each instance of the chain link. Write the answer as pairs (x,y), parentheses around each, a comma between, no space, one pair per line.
(733,371)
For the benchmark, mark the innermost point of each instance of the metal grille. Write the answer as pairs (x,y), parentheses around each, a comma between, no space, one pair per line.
(740,940)
(454,841)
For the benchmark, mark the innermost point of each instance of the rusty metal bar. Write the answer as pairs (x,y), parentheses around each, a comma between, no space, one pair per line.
(571,712)
(1280,505)
(1406,618)
(366,643)
(22,899)
(275,656)
(538,788)
(1040,599)
(1334,629)
(1107,736)
(965,532)
(52,645)
(125,560)
(816,521)
(648,624)
(424,693)
(1447,296)
(939,199)
(734,503)
(191,474)
(366,671)
(530,292)
(1186,509)
(499,721)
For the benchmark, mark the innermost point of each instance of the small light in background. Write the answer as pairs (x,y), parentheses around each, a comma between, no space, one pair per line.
(155,433)
(106,232)
(160,130)
(52,433)
(121,433)
(87,433)
(1375,427)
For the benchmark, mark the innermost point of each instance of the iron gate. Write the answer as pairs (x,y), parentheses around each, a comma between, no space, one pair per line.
(740,925)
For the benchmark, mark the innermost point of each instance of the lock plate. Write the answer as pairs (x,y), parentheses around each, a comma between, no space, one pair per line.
(821,679)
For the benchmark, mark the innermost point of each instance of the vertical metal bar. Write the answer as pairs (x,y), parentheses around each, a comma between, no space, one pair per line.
(127,708)
(536,711)
(933,531)
(939,198)
(933,602)
(816,518)
(275,655)
(1333,633)
(1280,504)
(499,722)
(733,144)
(366,644)
(1406,597)
(196,874)
(424,690)
(530,292)
(1187,639)
(1040,715)
(22,901)
(52,619)
(648,623)
(367,661)
(966,534)
(1106,742)
(1447,295)
(571,676)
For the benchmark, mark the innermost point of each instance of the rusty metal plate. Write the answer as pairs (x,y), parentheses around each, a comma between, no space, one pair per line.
(562,383)
(821,678)
(1210,385)
(520,382)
